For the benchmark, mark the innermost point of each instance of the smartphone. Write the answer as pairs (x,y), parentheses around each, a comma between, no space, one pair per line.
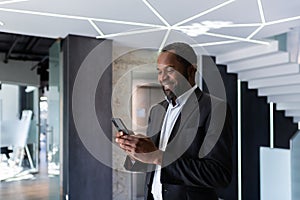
(120,125)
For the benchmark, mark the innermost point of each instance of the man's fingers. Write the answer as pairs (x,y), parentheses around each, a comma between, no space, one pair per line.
(125,141)
(119,134)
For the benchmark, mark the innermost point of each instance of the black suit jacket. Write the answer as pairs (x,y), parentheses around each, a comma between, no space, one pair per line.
(197,159)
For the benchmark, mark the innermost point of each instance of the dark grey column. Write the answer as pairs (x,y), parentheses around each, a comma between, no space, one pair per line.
(84,174)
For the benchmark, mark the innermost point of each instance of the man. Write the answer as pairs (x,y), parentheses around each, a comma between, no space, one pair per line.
(187,153)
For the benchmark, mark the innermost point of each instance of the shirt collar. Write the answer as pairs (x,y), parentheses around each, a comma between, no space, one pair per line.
(184,97)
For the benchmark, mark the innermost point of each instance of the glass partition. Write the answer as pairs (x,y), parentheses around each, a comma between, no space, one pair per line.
(54,117)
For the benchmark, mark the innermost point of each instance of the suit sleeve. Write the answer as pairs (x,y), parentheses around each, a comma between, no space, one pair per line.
(212,166)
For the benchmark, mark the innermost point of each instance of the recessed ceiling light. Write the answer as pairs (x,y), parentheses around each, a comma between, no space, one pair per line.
(194,30)
(197,29)
(216,24)
(1,23)
(43,98)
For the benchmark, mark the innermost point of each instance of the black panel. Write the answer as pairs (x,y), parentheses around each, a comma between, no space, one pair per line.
(230,83)
(255,133)
(25,100)
(84,176)
(284,129)
(255,130)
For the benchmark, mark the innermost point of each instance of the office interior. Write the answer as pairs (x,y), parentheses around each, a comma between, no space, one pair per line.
(63,81)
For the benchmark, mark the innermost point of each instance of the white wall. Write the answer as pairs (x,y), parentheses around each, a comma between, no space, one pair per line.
(275,174)
(18,72)
(9,94)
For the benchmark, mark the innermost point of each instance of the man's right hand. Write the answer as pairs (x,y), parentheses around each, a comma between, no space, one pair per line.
(139,147)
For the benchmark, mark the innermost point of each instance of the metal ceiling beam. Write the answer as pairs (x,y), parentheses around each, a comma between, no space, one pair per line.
(7,55)
(30,44)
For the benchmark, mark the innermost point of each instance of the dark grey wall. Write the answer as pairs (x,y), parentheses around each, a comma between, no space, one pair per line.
(255,118)
(84,176)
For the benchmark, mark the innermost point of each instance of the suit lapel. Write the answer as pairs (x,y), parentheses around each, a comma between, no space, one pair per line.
(189,107)
(158,119)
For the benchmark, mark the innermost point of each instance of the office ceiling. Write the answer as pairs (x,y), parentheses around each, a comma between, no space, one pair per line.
(221,25)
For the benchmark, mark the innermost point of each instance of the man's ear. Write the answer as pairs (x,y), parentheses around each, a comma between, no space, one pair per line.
(192,70)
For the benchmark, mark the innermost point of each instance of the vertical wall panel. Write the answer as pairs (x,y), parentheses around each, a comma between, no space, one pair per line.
(295,165)
(284,128)
(85,177)
(255,133)
(230,83)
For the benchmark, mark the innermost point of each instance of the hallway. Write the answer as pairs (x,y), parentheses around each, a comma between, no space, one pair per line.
(39,187)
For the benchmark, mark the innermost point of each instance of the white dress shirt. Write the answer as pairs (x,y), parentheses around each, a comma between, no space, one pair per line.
(167,127)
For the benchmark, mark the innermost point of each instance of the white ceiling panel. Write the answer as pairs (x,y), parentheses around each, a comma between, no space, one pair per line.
(111,28)
(243,32)
(133,10)
(238,12)
(44,26)
(279,9)
(176,11)
(117,19)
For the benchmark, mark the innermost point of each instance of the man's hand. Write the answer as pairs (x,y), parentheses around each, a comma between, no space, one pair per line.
(139,147)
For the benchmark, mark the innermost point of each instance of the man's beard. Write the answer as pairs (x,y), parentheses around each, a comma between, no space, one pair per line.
(178,89)
(169,94)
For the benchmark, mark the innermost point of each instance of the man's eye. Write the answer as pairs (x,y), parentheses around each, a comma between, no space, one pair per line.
(170,69)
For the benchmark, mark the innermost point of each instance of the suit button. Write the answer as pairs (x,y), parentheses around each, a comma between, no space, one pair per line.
(165,190)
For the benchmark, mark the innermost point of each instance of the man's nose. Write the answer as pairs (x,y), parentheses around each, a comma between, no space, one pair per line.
(164,75)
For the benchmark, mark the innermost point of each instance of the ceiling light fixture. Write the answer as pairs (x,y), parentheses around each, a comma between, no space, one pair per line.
(96,27)
(11,1)
(194,30)
(197,29)
(204,12)
(241,25)
(261,11)
(256,31)
(156,13)
(164,40)
(216,24)
(215,43)
(1,23)
(236,38)
(43,98)
(78,17)
(131,33)
(282,20)
(29,89)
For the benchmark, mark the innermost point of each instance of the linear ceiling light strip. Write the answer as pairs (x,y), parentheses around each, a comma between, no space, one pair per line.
(261,11)
(215,43)
(255,32)
(239,25)
(235,38)
(11,1)
(204,12)
(156,13)
(78,17)
(131,33)
(283,20)
(96,27)
(164,40)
